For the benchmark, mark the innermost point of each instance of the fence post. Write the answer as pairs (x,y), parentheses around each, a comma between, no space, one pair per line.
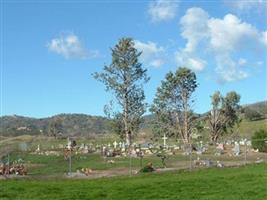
(245,152)
(190,156)
(130,162)
(70,164)
(8,161)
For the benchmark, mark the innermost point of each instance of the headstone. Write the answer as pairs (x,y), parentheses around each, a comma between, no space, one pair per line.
(38,148)
(82,146)
(69,145)
(249,143)
(85,149)
(123,147)
(120,144)
(242,142)
(220,146)
(187,150)
(115,144)
(236,149)
(164,140)
(208,163)
(133,153)
(199,150)
(23,146)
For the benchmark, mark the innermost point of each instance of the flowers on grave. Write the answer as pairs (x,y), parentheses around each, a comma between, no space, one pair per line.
(148,168)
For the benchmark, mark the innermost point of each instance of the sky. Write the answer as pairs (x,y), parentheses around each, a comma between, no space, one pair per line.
(49,49)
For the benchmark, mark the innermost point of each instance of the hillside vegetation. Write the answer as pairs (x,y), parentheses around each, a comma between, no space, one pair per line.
(72,124)
(86,125)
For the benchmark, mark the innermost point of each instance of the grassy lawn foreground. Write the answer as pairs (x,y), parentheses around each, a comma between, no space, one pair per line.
(248,182)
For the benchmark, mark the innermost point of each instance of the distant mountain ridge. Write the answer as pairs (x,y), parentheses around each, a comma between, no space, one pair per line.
(72,124)
(79,124)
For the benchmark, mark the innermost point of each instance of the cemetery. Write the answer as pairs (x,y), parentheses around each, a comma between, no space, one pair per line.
(81,166)
(114,99)
(81,158)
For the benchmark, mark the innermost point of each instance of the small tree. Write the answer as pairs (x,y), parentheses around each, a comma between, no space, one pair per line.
(172,105)
(223,115)
(259,140)
(125,77)
(55,127)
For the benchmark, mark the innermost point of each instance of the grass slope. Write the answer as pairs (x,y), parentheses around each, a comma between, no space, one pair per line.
(247,128)
(248,182)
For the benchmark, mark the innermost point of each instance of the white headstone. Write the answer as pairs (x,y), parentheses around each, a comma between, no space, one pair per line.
(164,140)
(236,149)
(69,145)
(115,144)
(38,148)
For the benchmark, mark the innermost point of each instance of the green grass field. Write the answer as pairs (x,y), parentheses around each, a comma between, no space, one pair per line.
(249,182)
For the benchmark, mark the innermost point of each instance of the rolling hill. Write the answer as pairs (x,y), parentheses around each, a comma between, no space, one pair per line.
(86,125)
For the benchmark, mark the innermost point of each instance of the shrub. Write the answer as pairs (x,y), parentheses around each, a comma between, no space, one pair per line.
(251,114)
(148,168)
(259,140)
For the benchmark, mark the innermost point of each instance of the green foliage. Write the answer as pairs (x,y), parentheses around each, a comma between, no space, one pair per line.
(259,140)
(172,103)
(252,114)
(224,115)
(125,77)
(231,108)
(55,127)
(71,124)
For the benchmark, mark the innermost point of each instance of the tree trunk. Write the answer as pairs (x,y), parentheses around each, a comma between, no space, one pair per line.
(186,133)
(127,132)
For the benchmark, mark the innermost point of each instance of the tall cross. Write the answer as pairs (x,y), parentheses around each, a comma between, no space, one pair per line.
(164,140)
(115,144)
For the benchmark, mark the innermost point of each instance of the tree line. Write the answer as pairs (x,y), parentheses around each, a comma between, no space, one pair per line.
(173,102)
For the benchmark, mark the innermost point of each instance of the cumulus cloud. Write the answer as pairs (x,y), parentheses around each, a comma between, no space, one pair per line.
(152,54)
(70,46)
(162,10)
(220,38)
(186,59)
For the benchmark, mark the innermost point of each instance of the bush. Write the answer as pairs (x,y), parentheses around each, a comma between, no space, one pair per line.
(251,114)
(148,168)
(259,140)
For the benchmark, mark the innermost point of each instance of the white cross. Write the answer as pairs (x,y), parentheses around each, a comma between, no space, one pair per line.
(115,144)
(164,140)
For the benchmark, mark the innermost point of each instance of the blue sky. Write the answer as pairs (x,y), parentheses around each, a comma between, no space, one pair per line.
(49,49)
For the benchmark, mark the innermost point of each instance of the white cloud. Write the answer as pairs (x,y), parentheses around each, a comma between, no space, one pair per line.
(242,61)
(152,54)
(223,39)
(70,46)
(184,59)
(230,34)
(162,10)
(194,27)
(246,5)
(228,70)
